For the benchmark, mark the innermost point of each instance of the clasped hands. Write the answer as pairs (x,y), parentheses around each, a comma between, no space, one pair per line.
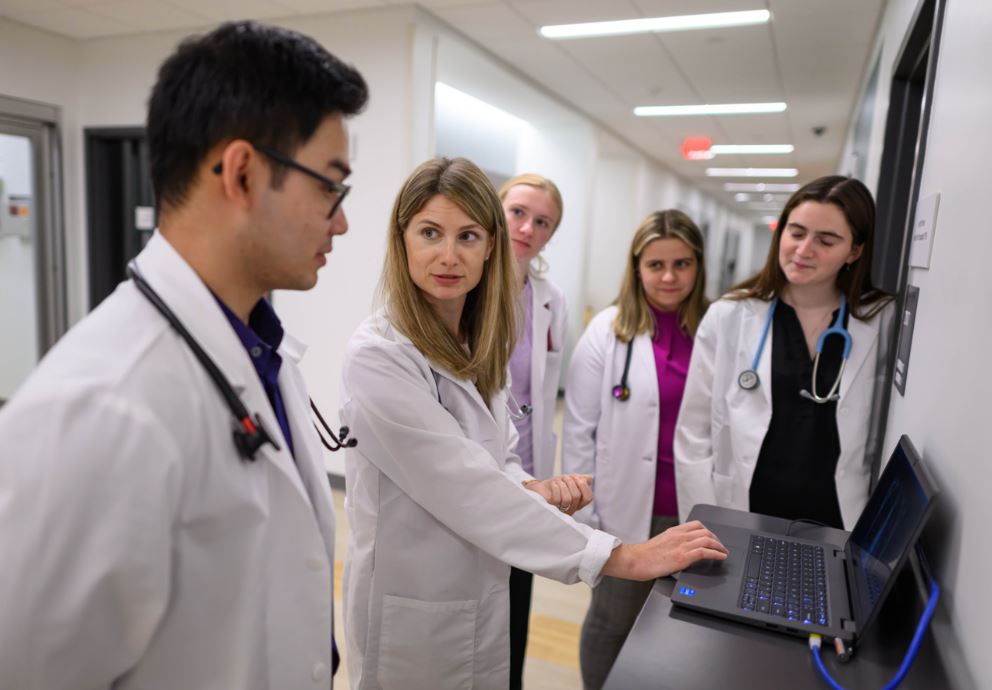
(567,492)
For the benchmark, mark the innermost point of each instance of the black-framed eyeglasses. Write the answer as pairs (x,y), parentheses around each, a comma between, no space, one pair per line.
(338,190)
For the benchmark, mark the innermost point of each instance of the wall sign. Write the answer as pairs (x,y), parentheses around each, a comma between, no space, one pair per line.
(924,226)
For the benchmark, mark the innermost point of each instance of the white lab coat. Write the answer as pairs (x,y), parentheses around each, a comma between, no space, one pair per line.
(616,442)
(721,426)
(437,513)
(138,549)
(550,323)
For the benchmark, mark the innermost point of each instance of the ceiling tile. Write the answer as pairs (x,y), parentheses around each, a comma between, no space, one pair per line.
(322,6)
(74,22)
(543,12)
(11,8)
(148,15)
(636,68)
(733,65)
(232,10)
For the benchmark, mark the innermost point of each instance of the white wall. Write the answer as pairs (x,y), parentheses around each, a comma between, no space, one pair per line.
(946,408)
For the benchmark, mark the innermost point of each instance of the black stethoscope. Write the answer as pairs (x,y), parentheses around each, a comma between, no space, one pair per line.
(249,433)
(621,391)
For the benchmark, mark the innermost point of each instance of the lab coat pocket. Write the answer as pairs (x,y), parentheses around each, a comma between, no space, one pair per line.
(426,645)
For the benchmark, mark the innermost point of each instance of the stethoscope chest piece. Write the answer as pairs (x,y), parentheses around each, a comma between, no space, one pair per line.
(621,392)
(748,380)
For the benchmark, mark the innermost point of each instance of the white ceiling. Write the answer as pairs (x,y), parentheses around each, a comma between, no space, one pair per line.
(812,55)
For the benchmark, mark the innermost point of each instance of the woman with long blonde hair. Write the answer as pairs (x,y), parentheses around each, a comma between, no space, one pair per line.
(436,503)
(533,207)
(622,398)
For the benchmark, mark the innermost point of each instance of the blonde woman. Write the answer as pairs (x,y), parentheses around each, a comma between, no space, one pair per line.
(533,208)
(436,503)
(622,398)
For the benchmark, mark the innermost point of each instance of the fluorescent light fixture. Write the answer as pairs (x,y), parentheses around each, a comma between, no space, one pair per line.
(725,149)
(686,22)
(708,109)
(474,110)
(741,196)
(760,187)
(752,172)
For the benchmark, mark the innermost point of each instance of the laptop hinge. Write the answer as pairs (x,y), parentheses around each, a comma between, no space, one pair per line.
(849,625)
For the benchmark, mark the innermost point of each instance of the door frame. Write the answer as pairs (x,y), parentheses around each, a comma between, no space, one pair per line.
(42,124)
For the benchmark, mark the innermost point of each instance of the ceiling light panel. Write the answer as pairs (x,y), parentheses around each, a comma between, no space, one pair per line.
(760,187)
(727,149)
(708,109)
(752,172)
(687,22)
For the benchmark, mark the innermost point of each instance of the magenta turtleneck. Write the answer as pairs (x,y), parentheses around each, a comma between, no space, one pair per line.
(672,349)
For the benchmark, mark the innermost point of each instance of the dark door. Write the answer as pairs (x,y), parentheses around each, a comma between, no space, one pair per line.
(120,204)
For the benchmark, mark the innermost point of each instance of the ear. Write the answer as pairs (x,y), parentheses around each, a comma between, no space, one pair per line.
(239,172)
(855,254)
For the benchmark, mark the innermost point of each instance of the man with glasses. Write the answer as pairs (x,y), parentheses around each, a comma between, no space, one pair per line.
(148,538)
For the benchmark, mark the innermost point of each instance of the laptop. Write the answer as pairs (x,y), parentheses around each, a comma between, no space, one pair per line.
(802,586)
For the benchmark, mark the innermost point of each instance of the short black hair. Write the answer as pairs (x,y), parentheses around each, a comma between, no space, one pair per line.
(243,80)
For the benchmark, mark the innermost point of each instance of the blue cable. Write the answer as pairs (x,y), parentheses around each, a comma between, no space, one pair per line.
(914,646)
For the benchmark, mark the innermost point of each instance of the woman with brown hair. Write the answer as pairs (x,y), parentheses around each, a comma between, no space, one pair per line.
(435,496)
(622,398)
(777,414)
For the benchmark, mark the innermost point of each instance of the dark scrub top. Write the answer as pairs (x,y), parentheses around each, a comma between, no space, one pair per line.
(794,475)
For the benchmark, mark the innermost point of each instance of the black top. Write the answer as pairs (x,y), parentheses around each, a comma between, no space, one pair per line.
(794,475)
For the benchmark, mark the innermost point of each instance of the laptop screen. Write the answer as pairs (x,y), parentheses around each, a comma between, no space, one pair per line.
(887,529)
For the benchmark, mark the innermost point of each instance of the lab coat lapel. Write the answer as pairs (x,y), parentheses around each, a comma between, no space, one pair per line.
(309,451)
(189,298)
(192,302)
(539,346)
(641,360)
(467,387)
(863,337)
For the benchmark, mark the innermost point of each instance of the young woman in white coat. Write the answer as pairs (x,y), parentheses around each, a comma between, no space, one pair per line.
(777,414)
(622,398)
(435,497)
(533,208)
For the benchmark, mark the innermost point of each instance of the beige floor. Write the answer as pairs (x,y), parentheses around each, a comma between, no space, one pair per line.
(556,616)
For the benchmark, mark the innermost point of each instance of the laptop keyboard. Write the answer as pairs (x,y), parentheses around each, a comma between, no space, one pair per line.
(787,579)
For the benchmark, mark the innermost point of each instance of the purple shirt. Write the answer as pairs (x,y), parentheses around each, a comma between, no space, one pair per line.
(261,338)
(520,378)
(672,349)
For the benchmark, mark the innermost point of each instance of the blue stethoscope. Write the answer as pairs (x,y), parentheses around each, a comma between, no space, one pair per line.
(748,379)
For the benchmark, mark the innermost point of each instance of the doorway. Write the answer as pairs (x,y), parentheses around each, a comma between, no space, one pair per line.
(32,276)
(119,202)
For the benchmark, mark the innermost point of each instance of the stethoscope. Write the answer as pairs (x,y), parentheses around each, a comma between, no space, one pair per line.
(249,432)
(748,379)
(515,410)
(621,391)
